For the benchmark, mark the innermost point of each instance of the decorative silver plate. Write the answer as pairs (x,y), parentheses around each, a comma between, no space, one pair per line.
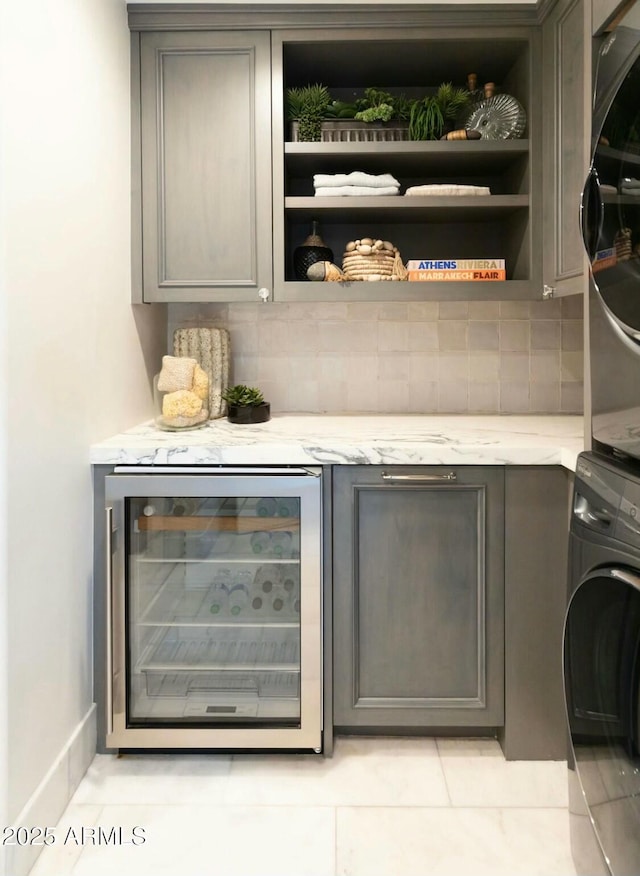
(500,117)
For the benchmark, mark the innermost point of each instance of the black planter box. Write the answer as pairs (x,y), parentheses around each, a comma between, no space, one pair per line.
(247,414)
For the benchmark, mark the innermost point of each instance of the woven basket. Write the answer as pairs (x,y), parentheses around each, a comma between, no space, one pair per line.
(372,260)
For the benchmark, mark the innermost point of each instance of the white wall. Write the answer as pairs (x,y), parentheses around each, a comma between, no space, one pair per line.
(75,359)
(4,756)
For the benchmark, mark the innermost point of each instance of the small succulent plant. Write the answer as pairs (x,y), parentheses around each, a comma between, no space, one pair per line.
(243,396)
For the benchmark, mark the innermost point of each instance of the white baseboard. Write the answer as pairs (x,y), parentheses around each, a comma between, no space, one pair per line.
(50,799)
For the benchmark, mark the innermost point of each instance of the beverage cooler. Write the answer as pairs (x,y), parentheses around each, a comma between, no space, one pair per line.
(214,609)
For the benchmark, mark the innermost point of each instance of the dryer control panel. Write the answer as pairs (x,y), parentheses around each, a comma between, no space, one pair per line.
(606,499)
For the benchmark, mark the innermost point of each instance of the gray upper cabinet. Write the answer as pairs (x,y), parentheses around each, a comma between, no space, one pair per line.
(205,135)
(566,131)
(223,195)
(418,597)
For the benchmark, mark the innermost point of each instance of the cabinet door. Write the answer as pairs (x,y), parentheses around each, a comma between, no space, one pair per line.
(566,126)
(206,165)
(418,597)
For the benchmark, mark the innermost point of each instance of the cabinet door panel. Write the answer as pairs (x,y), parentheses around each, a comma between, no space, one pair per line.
(206,163)
(206,193)
(418,599)
(425,587)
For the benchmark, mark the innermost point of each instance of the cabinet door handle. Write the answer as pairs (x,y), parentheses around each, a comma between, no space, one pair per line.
(108,545)
(591,214)
(420,478)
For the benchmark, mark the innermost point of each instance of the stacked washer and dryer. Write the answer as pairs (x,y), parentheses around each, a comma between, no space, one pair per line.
(602,627)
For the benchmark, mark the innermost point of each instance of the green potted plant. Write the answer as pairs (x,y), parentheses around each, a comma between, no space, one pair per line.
(308,106)
(246,404)
(375,106)
(430,116)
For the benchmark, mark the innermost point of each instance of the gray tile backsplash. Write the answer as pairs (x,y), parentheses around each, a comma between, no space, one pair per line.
(430,357)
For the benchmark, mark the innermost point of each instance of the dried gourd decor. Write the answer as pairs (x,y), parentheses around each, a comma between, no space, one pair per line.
(371,259)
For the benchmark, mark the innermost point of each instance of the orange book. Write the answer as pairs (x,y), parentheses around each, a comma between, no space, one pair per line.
(457,276)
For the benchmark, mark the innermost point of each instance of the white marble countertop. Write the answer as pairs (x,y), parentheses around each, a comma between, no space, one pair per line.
(402,439)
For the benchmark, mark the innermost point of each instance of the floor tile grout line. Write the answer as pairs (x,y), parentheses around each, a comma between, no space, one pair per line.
(96,820)
(335,841)
(460,808)
(293,804)
(444,773)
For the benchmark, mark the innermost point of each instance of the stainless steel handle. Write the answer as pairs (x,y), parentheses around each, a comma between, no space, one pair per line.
(211,471)
(420,478)
(627,577)
(108,545)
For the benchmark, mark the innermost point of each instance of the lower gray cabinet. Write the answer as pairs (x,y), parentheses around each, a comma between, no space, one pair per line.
(418,606)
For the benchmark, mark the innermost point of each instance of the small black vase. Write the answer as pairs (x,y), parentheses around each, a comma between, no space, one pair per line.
(308,253)
(247,414)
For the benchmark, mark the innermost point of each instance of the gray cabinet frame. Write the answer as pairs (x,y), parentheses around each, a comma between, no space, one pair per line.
(537,505)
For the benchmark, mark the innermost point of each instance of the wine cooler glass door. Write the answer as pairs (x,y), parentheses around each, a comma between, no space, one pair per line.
(221,611)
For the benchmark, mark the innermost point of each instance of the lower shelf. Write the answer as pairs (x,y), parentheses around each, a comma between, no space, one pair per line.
(389,290)
(225,674)
(224,649)
(219,705)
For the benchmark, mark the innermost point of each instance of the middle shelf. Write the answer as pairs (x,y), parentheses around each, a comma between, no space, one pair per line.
(399,208)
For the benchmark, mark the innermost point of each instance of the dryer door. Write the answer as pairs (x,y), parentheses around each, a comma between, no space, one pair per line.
(601,668)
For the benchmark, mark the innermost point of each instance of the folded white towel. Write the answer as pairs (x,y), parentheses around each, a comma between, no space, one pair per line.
(631,190)
(342,191)
(447,189)
(356,178)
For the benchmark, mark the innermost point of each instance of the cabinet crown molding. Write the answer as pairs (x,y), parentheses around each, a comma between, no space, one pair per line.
(216,16)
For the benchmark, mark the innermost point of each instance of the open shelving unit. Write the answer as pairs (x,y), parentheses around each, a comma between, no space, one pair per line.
(413,63)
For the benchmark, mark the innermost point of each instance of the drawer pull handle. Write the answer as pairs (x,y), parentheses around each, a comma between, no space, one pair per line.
(420,478)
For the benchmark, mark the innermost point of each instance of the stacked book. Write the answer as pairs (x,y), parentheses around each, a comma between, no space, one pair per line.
(456,269)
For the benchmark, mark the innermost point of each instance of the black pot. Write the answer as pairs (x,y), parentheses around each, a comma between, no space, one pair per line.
(247,414)
(312,250)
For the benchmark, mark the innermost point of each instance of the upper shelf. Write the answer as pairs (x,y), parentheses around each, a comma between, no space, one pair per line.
(167,523)
(417,158)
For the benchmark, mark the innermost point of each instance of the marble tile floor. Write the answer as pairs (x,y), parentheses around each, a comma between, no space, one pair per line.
(379,807)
